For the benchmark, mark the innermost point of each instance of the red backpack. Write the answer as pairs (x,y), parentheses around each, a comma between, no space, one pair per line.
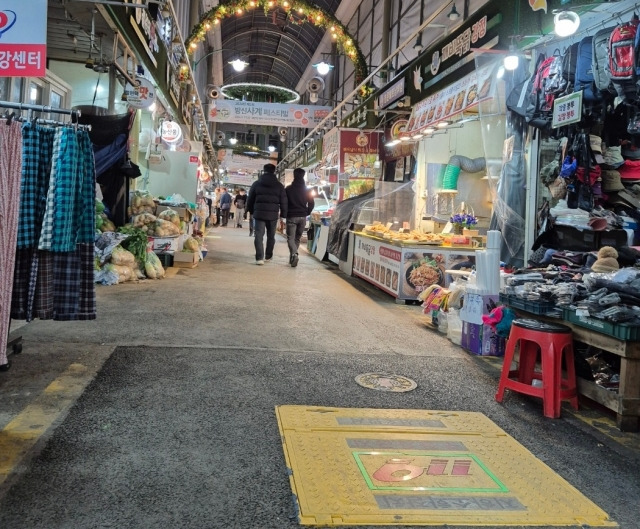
(622,59)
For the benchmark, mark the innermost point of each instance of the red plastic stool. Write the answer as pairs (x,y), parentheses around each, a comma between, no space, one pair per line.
(552,341)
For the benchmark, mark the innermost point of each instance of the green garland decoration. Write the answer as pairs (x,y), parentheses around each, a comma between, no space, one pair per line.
(298,12)
(268,92)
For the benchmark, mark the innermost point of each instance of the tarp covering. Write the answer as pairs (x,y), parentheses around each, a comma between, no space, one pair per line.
(342,219)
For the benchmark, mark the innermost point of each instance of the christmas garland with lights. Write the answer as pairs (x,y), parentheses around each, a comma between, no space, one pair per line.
(298,12)
(260,92)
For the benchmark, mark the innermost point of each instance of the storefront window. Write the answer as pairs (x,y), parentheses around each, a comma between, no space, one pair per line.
(56,99)
(16,89)
(35,94)
(5,82)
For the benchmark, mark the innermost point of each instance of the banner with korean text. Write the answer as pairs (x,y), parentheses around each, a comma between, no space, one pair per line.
(270,114)
(23,38)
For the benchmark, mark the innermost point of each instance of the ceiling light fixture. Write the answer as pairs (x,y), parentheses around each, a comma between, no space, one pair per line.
(453,14)
(323,67)
(272,148)
(566,23)
(238,65)
(511,61)
(233,141)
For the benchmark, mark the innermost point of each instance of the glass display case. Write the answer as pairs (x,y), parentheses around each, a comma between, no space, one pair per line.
(392,206)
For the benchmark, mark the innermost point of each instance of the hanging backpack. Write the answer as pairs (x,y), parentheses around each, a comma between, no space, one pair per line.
(569,60)
(622,60)
(550,81)
(585,80)
(600,61)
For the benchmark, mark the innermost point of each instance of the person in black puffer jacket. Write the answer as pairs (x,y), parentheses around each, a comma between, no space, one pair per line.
(301,204)
(267,202)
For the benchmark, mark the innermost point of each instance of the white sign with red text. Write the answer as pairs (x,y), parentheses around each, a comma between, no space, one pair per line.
(23,38)
(272,114)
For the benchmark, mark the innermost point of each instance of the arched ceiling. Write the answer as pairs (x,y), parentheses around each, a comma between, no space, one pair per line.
(277,50)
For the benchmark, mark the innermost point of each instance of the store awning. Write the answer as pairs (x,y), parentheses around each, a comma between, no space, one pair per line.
(462,96)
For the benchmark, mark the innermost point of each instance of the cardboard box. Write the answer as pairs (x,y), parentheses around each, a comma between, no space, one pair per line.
(481,340)
(185,259)
(184,213)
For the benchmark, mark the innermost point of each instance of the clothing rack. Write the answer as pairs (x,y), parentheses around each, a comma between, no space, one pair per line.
(75,114)
(15,344)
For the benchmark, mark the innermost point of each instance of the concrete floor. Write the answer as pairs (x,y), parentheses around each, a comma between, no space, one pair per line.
(161,412)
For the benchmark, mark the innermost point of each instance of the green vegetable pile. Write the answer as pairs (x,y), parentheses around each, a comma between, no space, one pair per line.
(136,243)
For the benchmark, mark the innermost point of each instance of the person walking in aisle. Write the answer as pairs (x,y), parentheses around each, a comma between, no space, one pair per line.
(240,202)
(266,203)
(216,206)
(300,204)
(225,206)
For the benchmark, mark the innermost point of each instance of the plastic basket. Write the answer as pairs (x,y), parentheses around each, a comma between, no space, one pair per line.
(535,307)
(622,331)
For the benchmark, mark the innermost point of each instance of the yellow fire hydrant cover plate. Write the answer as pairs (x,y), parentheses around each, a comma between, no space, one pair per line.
(352,466)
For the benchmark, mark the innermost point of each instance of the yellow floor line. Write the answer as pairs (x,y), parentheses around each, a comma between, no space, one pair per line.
(21,434)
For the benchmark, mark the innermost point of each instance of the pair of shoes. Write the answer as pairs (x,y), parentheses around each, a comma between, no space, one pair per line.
(294,260)
(259,261)
(268,259)
(238,226)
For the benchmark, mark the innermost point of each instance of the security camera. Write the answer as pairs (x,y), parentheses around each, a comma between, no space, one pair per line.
(315,85)
(404,102)
(213,92)
(313,97)
(220,136)
(282,131)
(283,138)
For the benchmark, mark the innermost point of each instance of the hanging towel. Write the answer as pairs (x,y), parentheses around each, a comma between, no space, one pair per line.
(10,171)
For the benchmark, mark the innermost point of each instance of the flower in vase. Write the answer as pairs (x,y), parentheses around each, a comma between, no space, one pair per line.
(463,220)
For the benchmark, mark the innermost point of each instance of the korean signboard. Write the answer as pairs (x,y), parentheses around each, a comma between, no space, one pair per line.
(567,110)
(23,38)
(454,99)
(141,96)
(359,152)
(270,114)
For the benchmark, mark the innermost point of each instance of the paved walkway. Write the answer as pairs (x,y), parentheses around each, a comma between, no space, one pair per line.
(161,413)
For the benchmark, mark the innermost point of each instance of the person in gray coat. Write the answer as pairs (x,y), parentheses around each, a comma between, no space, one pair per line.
(301,204)
(266,203)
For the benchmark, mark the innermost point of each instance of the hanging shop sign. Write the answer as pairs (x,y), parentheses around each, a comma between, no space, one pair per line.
(269,114)
(171,132)
(145,28)
(141,96)
(399,150)
(23,38)
(459,97)
(567,110)
(359,153)
(453,55)
(391,94)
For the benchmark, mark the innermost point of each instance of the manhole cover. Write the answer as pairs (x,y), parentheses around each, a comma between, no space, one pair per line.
(386,382)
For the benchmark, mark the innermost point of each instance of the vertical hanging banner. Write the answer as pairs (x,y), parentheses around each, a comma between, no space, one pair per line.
(23,38)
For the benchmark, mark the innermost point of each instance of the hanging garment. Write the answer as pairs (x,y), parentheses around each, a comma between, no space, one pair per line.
(55,284)
(37,147)
(87,199)
(60,219)
(10,172)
